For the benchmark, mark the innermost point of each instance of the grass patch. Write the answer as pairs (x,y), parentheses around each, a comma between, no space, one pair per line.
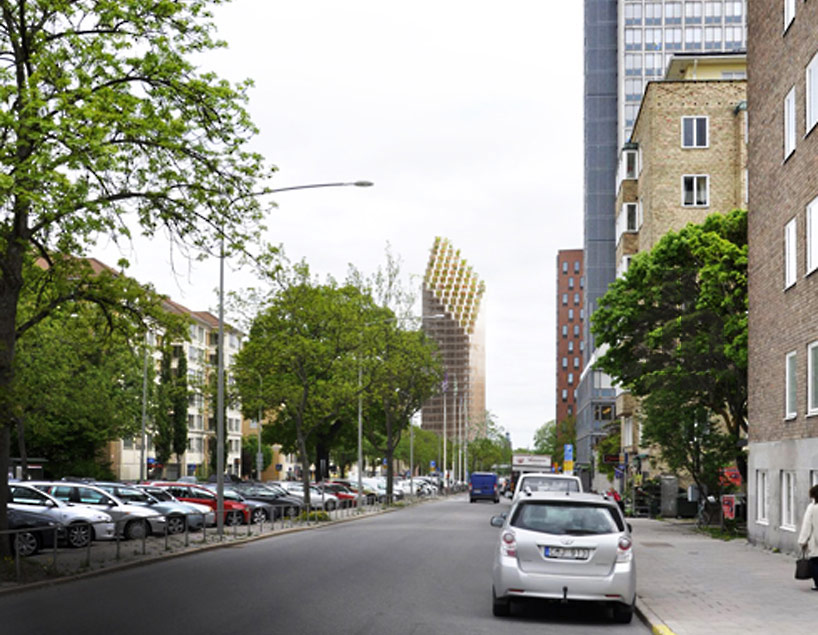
(317,516)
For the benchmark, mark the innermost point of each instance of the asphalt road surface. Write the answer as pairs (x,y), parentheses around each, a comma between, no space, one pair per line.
(424,569)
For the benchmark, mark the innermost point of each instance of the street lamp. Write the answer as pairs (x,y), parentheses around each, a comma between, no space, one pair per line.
(220,357)
(259,455)
(396,318)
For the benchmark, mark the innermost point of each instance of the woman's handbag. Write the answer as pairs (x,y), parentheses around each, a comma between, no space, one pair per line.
(802,567)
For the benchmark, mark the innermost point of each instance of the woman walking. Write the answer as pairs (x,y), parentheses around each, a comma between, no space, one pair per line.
(808,538)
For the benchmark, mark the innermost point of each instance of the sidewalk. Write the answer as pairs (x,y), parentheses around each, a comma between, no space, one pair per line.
(691,584)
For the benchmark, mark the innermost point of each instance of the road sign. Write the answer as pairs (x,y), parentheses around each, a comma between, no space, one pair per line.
(432,464)
(569,452)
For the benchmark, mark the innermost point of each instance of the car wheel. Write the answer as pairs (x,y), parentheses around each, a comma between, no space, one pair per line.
(27,543)
(136,530)
(78,535)
(329,506)
(234,518)
(500,607)
(259,516)
(176,524)
(623,613)
(471,500)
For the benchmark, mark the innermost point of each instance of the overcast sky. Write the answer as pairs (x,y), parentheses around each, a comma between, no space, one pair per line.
(467,116)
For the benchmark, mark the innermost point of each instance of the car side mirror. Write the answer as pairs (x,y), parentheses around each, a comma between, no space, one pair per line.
(498,521)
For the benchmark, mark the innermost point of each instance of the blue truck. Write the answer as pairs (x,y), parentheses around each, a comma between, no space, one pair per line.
(483,485)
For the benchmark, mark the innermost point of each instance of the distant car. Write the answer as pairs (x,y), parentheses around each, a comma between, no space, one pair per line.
(346,497)
(368,493)
(260,511)
(162,494)
(284,504)
(546,482)
(483,486)
(37,531)
(82,524)
(133,521)
(318,500)
(563,547)
(235,513)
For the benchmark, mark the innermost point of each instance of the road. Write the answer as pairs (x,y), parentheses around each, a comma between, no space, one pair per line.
(424,569)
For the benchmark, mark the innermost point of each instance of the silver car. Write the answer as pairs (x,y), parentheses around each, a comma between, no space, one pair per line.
(81,523)
(134,522)
(564,546)
(176,513)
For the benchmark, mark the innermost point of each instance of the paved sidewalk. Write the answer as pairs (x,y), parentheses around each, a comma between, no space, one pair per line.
(691,584)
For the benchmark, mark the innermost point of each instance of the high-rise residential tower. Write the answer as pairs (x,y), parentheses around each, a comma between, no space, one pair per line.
(569,330)
(451,288)
(627,43)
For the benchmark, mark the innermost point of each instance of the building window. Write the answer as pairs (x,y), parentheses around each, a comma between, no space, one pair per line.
(812,236)
(694,132)
(603,412)
(576,330)
(673,13)
(633,64)
(790,254)
(789,123)
(627,432)
(632,216)
(571,282)
(733,11)
(713,37)
(570,378)
(576,266)
(787,500)
(712,11)
(565,394)
(653,39)
(570,315)
(789,13)
(565,362)
(564,299)
(570,346)
(673,39)
(653,13)
(633,89)
(633,14)
(631,110)
(633,39)
(576,359)
(565,330)
(693,11)
(576,299)
(790,386)
(693,38)
(812,379)
(565,266)
(762,497)
(654,64)
(812,92)
(695,190)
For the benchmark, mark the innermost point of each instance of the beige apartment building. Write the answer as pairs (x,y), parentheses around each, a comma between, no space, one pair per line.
(686,159)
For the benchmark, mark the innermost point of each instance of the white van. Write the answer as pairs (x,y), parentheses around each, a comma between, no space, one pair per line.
(546,482)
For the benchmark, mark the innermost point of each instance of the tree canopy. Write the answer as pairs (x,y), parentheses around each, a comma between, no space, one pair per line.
(110,129)
(674,328)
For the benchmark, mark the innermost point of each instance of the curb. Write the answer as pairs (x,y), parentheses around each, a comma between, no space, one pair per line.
(650,619)
(179,554)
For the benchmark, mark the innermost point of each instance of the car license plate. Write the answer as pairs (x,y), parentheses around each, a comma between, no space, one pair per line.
(567,553)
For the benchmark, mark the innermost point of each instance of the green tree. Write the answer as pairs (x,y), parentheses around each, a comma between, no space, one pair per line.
(110,129)
(676,325)
(610,444)
(179,403)
(304,344)
(249,451)
(491,449)
(545,439)
(162,418)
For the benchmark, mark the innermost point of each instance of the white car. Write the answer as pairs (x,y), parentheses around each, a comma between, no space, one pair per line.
(134,521)
(564,547)
(81,523)
(546,482)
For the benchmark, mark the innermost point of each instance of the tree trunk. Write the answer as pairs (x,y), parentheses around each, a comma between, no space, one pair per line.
(21,444)
(305,465)
(321,460)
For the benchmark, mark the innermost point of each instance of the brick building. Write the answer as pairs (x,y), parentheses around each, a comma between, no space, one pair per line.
(687,159)
(783,258)
(569,330)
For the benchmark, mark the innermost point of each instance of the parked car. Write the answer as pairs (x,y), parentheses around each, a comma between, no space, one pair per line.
(483,486)
(161,494)
(368,493)
(133,521)
(346,497)
(38,531)
(82,524)
(318,500)
(235,513)
(259,510)
(564,546)
(176,513)
(546,482)
(284,504)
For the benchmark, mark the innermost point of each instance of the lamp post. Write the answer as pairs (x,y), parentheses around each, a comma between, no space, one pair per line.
(396,318)
(220,356)
(259,455)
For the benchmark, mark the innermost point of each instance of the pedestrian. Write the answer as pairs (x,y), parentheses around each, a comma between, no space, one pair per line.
(808,538)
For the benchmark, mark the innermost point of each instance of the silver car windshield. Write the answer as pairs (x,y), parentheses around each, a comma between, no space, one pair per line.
(566,518)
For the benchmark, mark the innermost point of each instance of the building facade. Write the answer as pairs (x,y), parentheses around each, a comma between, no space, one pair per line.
(782,59)
(569,330)
(451,288)
(687,159)
(627,43)
(201,351)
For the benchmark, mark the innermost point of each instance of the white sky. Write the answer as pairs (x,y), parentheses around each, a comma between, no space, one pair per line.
(467,116)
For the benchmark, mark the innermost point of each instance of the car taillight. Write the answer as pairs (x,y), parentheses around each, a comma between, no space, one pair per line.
(509,544)
(623,549)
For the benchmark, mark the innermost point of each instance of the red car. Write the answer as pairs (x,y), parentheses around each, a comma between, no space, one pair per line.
(235,513)
(347,497)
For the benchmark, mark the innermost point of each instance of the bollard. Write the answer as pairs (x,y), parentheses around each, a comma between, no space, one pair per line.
(187,533)
(167,547)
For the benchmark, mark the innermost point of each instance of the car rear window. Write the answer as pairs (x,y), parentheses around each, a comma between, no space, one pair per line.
(566,518)
(550,484)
